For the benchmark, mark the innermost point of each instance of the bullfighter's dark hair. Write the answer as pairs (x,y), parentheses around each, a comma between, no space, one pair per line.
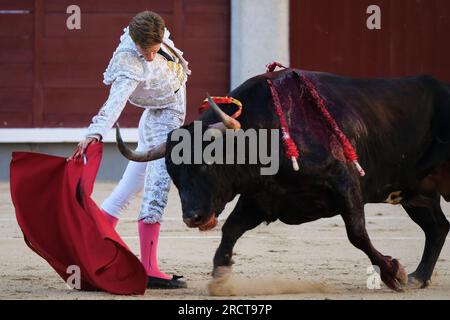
(147,29)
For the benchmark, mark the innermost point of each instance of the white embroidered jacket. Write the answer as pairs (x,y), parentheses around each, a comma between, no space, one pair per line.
(155,84)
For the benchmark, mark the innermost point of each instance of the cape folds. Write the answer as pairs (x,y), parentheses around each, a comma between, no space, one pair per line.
(62,224)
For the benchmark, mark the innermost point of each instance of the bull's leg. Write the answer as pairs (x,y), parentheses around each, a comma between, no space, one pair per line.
(427,213)
(243,218)
(392,272)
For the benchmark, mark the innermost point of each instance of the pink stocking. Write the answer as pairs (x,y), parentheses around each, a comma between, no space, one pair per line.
(148,237)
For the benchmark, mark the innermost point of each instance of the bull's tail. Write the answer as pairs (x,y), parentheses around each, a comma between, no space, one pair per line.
(442,101)
(438,151)
(446,88)
(441,173)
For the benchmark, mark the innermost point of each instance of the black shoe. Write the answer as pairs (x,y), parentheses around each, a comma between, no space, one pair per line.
(160,283)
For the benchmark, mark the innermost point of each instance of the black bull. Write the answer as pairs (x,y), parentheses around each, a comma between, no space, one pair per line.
(400,130)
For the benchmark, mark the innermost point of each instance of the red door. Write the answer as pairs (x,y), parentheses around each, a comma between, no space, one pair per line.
(51,76)
(332,36)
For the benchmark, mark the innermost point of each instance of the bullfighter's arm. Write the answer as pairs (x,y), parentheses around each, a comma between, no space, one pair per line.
(124,72)
(120,91)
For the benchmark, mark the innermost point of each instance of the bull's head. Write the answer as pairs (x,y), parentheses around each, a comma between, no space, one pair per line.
(204,189)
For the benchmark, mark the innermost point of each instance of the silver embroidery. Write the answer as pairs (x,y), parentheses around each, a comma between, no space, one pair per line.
(158,124)
(158,86)
(120,90)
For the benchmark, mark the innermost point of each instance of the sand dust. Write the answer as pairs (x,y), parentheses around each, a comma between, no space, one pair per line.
(310,261)
(231,285)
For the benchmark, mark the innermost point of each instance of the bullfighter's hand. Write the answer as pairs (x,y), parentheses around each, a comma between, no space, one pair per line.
(81,148)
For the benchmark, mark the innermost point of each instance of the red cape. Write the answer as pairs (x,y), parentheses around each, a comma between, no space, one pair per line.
(62,224)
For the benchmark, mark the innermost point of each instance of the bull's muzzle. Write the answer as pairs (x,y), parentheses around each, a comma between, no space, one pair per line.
(193,218)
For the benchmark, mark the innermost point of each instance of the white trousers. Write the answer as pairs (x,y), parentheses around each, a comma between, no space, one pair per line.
(154,126)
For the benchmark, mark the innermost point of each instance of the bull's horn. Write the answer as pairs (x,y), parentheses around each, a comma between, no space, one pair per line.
(157,152)
(228,121)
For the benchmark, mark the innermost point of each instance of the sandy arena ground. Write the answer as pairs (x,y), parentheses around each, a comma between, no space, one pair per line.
(310,261)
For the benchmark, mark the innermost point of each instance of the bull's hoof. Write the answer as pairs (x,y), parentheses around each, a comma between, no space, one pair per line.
(402,275)
(415,281)
(221,272)
(397,279)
